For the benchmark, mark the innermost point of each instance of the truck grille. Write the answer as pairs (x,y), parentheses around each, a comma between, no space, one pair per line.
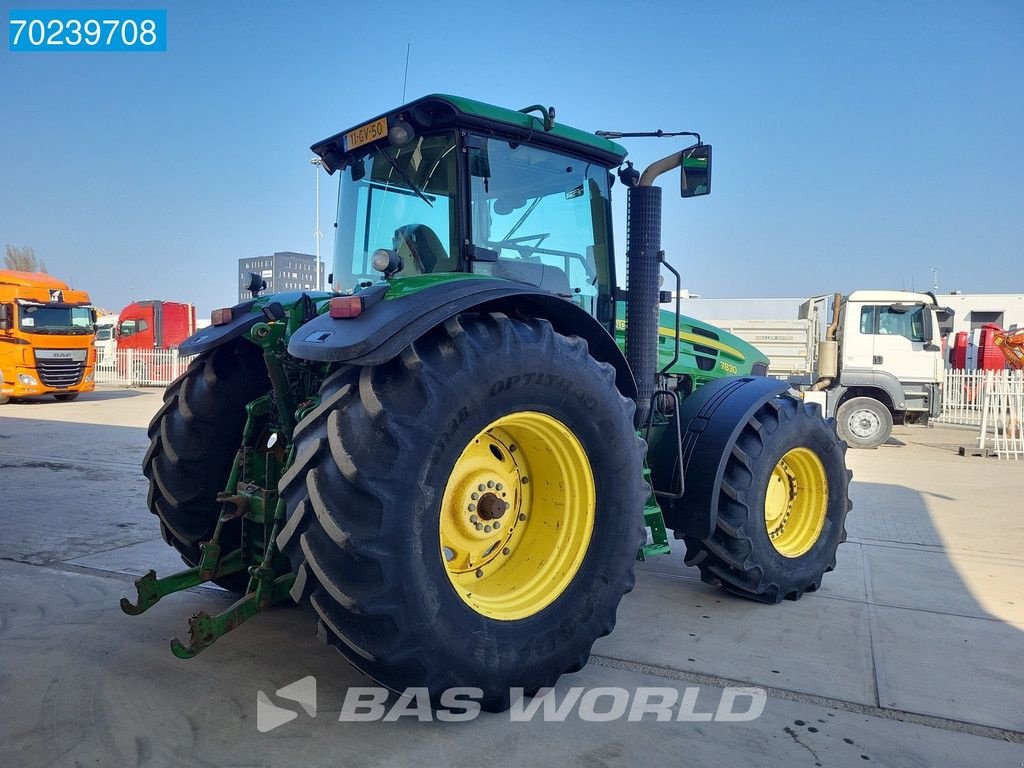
(60,373)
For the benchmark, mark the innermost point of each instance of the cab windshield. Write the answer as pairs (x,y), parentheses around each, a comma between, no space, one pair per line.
(402,199)
(54,319)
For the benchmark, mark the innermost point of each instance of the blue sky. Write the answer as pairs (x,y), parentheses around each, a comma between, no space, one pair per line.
(857,144)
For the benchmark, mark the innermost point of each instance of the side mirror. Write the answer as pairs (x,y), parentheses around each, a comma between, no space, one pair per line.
(695,171)
(929,326)
(5,317)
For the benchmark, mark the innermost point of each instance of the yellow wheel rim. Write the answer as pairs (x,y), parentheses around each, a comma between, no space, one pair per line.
(517,515)
(795,502)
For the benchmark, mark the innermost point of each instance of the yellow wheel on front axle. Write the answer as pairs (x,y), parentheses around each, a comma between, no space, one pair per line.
(517,515)
(796,502)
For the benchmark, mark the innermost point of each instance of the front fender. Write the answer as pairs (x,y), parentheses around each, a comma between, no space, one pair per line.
(388,327)
(712,419)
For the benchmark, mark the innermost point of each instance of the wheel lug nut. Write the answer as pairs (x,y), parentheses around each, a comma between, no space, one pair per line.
(474,519)
(497,525)
(472,507)
(526,480)
(474,496)
(481,487)
(479,526)
(506,551)
(499,487)
(487,529)
(479,572)
(490,483)
(522,516)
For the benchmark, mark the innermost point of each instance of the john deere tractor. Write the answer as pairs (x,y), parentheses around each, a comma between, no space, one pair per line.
(456,455)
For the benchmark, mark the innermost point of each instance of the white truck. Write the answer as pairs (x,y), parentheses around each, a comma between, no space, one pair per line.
(105,343)
(880,362)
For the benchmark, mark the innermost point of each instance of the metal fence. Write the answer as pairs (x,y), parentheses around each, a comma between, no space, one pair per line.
(1002,416)
(992,401)
(142,367)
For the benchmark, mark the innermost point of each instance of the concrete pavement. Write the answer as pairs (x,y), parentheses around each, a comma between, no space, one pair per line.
(910,654)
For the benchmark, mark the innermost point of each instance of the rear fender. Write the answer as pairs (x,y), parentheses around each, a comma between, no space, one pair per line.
(387,327)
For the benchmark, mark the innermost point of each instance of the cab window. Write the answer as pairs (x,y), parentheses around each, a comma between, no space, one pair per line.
(885,321)
(543,215)
(131,327)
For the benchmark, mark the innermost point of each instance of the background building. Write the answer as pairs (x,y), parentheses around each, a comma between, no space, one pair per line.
(283,271)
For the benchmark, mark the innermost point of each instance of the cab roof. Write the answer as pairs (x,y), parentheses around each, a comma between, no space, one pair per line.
(31,280)
(442,111)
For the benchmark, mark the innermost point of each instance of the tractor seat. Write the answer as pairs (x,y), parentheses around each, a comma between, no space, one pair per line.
(421,250)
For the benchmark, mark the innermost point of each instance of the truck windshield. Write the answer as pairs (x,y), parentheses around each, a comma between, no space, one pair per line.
(54,319)
(103,332)
(402,200)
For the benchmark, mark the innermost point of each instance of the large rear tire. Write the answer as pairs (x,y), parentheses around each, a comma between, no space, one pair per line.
(193,441)
(782,509)
(468,513)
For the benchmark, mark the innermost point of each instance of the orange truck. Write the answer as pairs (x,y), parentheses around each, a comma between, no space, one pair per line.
(46,337)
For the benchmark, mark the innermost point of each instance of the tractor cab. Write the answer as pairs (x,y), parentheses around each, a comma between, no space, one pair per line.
(448,185)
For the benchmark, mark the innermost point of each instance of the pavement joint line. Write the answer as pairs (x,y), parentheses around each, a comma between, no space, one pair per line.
(911,547)
(868,602)
(865,571)
(785,694)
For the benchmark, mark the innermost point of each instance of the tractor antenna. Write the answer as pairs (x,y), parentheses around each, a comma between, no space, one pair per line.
(405,81)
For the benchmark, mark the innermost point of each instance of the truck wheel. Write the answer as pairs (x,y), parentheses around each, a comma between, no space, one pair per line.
(193,440)
(782,508)
(863,422)
(66,397)
(468,513)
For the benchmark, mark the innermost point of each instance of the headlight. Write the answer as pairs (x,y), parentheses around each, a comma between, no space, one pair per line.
(28,379)
(90,377)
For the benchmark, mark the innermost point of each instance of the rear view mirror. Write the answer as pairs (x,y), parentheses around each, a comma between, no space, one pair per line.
(695,171)
(5,317)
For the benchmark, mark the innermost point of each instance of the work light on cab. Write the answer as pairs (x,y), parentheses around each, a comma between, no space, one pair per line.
(221,316)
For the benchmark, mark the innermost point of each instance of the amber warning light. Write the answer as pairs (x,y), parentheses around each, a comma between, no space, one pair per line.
(344,307)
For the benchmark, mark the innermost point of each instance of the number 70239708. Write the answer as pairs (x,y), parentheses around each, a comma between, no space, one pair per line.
(83,30)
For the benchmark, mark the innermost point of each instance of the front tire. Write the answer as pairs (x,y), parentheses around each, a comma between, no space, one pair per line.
(782,507)
(863,422)
(396,545)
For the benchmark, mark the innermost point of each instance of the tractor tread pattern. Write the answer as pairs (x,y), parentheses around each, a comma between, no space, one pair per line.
(727,557)
(368,426)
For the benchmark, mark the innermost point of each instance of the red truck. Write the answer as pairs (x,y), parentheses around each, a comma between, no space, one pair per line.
(145,332)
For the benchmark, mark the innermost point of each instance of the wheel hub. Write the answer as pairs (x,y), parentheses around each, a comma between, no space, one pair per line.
(517,515)
(491,507)
(864,423)
(796,502)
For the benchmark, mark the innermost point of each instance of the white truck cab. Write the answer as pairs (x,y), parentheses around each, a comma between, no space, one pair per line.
(105,343)
(881,362)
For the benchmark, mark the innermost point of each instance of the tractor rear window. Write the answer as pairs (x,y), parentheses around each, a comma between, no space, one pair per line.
(402,199)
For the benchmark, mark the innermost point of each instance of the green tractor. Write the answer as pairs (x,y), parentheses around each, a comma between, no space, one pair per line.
(457,454)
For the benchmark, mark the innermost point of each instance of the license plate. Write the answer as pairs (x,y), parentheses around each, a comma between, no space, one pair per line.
(364,134)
